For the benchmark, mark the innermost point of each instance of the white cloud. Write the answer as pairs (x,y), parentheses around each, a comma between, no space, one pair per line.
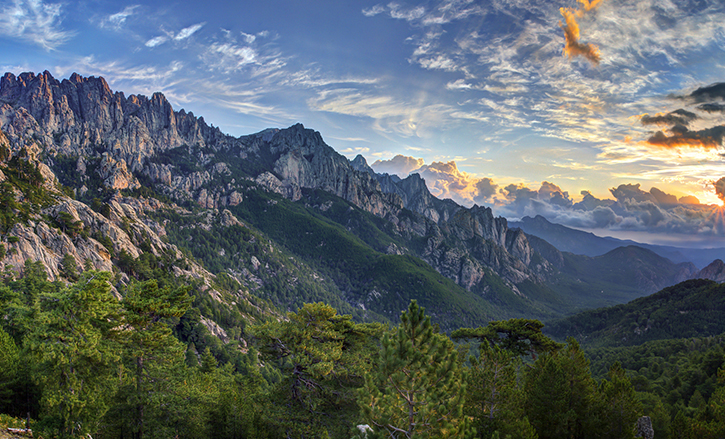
(157,41)
(34,21)
(229,57)
(399,165)
(248,38)
(118,19)
(375,10)
(188,31)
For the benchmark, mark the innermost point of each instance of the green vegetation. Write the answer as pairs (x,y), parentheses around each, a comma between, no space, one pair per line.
(82,362)
(383,283)
(689,309)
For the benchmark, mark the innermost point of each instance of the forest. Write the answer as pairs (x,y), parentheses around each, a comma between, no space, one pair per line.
(95,357)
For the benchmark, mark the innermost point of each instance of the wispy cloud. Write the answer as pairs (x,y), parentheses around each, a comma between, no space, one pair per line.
(157,41)
(188,31)
(36,22)
(117,20)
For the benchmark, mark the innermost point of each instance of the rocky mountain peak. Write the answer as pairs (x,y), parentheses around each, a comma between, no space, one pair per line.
(715,271)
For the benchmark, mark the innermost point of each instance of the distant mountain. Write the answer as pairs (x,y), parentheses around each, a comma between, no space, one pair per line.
(585,243)
(694,308)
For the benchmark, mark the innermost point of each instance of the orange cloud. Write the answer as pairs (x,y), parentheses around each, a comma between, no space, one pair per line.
(573,47)
(710,138)
(588,6)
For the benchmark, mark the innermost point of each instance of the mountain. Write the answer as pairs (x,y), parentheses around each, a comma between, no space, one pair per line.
(134,164)
(694,308)
(261,224)
(586,243)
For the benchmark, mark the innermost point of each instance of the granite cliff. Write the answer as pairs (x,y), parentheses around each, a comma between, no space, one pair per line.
(112,163)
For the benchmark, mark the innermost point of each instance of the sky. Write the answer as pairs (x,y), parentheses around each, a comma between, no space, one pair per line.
(606,115)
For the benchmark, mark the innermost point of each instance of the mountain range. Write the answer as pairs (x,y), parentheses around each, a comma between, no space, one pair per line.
(260,224)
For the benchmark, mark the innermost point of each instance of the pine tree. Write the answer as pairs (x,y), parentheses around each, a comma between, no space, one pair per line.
(494,397)
(9,359)
(323,358)
(208,362)
(153,356)
(74,354)
(418,389)
(561,395)
(620,405)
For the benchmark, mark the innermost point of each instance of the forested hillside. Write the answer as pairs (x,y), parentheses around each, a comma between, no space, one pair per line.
(80,362)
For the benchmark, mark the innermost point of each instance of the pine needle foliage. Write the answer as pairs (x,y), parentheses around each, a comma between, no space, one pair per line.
(418,388)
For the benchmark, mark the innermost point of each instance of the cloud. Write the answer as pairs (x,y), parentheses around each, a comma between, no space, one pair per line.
(34,21)
(572,46)
(554,195)
(229,57)
(157,41)
(445,180)
(399,165)
(710,138)
(188,31)
(440,62)
(720,188)
(375,10)
(118,19)
(711,92)
(677,117)
(485,190)
(712,108)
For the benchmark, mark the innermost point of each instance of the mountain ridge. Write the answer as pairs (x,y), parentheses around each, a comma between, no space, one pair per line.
(105,148)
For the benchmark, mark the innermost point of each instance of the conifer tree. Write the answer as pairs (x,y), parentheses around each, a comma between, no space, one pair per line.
(620,406)
(494,397)
(323,357)
(9,359)
(153,356)
(561,395)
(418,389)
(72,344)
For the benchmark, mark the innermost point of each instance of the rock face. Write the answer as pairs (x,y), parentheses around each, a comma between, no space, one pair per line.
(131,143)
(715,271)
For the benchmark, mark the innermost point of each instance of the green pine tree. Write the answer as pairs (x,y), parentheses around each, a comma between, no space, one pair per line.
(153,358)
(494,398)
(620,405)
(323,357)
(418,389)
(561,395)
(74,352)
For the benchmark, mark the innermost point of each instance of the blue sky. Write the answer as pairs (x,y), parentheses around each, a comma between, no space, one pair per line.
(516,104)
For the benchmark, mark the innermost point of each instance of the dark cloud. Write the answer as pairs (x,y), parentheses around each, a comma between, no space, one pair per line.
(712,108)
(681,136)
(604,217)
(590,202)
(625,192)
(720,188)
(709,93)
(554,195)
(663,198)
(518,193)
(485,189)
(677,117)
(631,192)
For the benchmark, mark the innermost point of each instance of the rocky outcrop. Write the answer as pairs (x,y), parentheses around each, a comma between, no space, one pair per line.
(715,271)
(135,139)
